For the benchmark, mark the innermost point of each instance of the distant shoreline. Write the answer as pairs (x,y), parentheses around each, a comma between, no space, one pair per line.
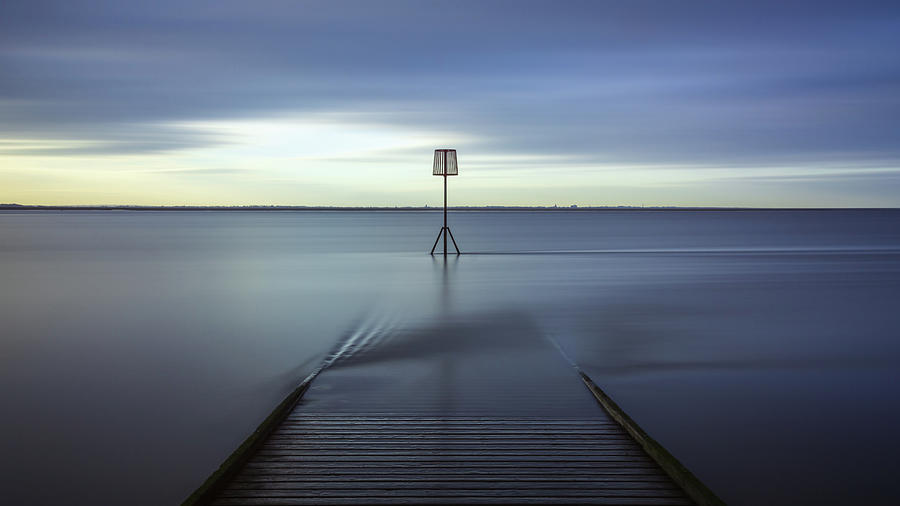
(19,207)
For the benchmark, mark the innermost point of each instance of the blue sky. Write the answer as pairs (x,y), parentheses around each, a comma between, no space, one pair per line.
(342,103)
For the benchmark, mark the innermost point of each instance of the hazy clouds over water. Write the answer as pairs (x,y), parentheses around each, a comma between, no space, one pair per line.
(800,89)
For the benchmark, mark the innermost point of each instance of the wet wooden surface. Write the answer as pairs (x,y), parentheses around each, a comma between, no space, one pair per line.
(471,412)
(402,458)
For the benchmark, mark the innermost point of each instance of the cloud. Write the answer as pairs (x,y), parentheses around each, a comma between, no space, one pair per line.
(571,85)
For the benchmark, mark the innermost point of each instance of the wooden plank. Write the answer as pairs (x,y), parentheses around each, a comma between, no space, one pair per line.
(449,455)
(440,446)
(417,472)
(450,451)
(464,464)
(300,435)
(458,464)
(300,430)
(390,420)
(454,458)
(448,492)
(461,484)
(493,427)
(476,499)
(437,436)
(361,477)
(467,424)
(461,423)
(370,420)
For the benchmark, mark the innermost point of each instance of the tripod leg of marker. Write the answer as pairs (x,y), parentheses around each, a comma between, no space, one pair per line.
(454,240)
(436,241)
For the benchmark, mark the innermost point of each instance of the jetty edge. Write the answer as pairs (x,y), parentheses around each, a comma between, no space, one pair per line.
(681,475)
(230,467)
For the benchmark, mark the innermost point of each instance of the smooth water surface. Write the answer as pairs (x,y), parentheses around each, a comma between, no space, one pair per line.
(138,349)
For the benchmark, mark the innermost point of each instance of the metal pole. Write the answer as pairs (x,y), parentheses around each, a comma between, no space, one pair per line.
(445,208)
(445,205)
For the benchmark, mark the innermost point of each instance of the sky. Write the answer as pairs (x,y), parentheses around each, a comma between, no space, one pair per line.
(766,104)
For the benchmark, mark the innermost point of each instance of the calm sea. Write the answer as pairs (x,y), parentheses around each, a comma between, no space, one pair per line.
(762,348)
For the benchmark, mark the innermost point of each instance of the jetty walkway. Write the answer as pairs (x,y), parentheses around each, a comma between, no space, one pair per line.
(420,417)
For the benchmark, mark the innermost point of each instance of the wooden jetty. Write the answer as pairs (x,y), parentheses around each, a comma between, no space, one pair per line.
(458,430)
(395,458)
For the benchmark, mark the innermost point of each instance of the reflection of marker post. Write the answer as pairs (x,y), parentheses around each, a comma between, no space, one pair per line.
(445,165)
(445,214)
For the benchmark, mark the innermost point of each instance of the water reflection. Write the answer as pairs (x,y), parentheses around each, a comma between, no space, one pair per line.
(487,359)
(446,266)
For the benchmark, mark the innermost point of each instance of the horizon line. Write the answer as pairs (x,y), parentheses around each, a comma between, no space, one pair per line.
(277,207)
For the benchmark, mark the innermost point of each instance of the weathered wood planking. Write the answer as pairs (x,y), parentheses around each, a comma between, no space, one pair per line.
(352,459)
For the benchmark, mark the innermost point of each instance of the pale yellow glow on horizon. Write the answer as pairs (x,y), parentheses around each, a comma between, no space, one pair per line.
(333,159)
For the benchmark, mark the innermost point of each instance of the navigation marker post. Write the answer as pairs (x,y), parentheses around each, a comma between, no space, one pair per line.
(445,165)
